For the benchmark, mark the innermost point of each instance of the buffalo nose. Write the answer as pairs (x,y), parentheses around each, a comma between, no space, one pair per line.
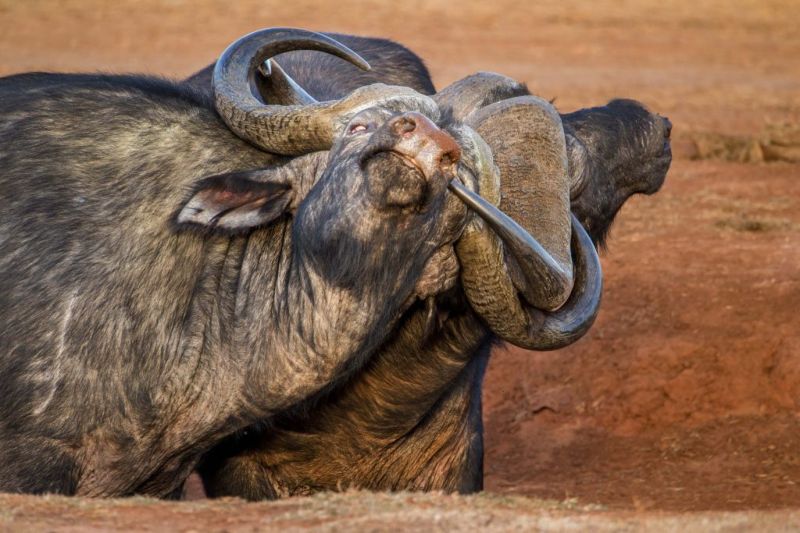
(667,127)
(422,140)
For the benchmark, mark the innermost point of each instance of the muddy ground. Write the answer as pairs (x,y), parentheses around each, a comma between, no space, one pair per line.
(686,393)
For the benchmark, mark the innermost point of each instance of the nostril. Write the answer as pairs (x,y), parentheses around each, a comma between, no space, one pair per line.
(449,158)
(403,125)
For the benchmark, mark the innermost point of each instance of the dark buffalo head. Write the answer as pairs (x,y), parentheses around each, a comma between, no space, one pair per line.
(387,168)
(588,162)
(615,151)
(385,182)
(404,160)
(407,158)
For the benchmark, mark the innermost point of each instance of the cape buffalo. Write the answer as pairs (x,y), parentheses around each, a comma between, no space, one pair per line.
(165,284)
(411,418)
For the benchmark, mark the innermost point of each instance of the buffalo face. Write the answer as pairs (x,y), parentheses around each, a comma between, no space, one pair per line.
(406,157)
(615,151)
(513,274)
(382,195)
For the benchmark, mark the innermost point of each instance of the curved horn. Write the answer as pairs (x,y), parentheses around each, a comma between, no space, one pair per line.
(526,137)
(538,266)
(469,94)
(278,88)
(492,294)
(287,130)
(485,270)
(307,125)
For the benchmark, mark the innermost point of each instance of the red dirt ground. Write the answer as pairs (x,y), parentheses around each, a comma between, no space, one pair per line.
(685,395)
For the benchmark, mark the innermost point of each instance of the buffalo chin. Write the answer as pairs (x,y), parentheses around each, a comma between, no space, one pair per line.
(401,182)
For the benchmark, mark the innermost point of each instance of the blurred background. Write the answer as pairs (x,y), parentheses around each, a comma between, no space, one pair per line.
(686,393)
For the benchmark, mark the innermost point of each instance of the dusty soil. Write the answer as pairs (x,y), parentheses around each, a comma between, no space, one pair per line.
(359,511)
(685,395)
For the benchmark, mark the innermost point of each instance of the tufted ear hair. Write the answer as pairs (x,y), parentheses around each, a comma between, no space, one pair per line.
(233,203)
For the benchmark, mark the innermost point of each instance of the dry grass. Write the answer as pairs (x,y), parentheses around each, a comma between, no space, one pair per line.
(778,142)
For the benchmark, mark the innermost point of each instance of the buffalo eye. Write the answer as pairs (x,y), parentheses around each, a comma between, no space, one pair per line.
(357,128)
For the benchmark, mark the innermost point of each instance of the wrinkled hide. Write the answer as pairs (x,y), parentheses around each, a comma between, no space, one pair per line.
(164,284)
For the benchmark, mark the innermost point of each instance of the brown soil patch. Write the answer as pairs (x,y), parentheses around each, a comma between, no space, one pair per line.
(360,511)
(686,393)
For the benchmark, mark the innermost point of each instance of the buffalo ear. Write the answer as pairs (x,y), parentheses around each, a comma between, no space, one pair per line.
(234,203)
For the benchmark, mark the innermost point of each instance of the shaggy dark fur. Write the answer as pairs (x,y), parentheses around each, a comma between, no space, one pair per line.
(617,150)
(148,311)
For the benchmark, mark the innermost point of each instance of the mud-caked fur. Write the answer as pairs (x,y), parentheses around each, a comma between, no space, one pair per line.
(164,284)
